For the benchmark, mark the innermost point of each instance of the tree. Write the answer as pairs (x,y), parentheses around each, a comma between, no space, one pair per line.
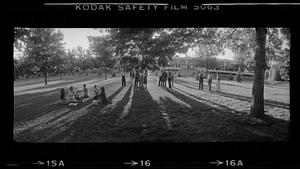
(240,56)
(277,51)
(17,66)
(20,37)
(257,104)
(71,60)
(156,46)
(250,64)
(153,47)
(102,47)
(205,56)
(268,45)
(44,48)
(35,69)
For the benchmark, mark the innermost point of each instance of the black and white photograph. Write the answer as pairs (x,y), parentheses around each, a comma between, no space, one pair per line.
(149,84)
(194,84)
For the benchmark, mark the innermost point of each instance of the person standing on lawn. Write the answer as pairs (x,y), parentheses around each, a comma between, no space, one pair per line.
(123,78)
(218,85)
(141,78)
(160,78)
(200,77)
(145,77)
(209,80)
(164,78)
(170,79)
(132,76)
(136,79)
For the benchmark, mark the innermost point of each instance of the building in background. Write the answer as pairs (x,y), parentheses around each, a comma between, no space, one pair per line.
(181,62)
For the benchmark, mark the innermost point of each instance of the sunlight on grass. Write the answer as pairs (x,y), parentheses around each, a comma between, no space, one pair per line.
(128,105)
(115,101)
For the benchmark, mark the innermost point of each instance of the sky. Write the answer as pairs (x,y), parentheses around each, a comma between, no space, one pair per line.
(227,55)
(74,37)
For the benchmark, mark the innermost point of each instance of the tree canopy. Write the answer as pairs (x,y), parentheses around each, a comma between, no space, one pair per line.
(43,48)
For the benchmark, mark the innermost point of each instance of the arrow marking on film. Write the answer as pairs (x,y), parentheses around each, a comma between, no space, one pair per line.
(133,163)
(216,162)
(39,163)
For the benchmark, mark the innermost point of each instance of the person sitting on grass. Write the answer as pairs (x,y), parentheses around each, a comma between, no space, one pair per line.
(103,97)
(74,99)
(96,92)
(62,94)
(85,92)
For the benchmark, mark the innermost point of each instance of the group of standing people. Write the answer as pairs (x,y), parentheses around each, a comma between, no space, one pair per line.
(201,76)
(139,77)
(164,76)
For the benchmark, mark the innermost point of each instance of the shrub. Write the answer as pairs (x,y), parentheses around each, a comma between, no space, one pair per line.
(238,78)
(230,77)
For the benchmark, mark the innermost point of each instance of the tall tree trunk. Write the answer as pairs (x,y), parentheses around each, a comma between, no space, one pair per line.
(257,104)
(45,74)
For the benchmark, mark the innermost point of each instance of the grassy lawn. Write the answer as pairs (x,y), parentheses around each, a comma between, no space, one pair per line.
(150,113)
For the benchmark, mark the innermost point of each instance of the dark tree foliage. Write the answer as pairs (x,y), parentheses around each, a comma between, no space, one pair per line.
(44,49)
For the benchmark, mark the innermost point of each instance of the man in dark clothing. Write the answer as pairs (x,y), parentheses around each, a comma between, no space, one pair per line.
(201,77)
(137,78)
(170,79)
(164,78)
(123,78)
(160,78)
(209,80)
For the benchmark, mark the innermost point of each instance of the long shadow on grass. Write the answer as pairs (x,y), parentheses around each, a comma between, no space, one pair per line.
(186,122)
(191,86)
(85,127)
(234,126)
(271,120)
(143,120)
(244,98)
(192,124)
(34,105)
(59,123)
